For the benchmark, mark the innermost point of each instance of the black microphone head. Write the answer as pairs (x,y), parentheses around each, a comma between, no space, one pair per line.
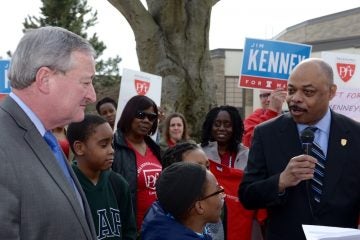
(307,136)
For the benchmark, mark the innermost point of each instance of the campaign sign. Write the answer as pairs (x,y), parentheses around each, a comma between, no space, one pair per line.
(4,81)
(267,64)
(138,83)
(347,78)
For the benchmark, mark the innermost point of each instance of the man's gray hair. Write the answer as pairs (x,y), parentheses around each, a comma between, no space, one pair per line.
(44,47)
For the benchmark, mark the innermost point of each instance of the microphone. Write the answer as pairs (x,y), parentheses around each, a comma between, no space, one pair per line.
(307,137)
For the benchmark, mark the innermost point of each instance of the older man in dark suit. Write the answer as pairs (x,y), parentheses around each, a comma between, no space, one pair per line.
(322,187)
(51,76)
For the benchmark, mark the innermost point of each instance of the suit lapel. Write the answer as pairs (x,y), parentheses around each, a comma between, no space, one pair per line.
(47,159)
(87,211)
(288,130)
(336,156)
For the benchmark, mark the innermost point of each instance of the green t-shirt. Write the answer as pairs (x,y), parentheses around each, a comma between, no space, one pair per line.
(109,219)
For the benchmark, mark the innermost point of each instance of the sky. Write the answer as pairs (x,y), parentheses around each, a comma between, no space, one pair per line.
(231,22)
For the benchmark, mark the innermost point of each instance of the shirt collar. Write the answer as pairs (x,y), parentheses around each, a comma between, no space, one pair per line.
(323,125)
(38,124)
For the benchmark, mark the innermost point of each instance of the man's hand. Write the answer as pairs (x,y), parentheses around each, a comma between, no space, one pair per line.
(298,169)
(276,99)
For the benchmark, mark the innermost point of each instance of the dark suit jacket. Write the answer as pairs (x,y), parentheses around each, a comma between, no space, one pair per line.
(36,201)
(274,143)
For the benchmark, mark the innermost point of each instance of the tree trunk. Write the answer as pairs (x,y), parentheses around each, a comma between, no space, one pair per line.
(172,40)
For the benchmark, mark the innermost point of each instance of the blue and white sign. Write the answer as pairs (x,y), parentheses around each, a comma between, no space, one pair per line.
(4,81)
(267,64)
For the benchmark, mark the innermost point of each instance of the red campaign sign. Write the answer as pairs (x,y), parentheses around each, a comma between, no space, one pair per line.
(141,87)
(262,82)
(345,71)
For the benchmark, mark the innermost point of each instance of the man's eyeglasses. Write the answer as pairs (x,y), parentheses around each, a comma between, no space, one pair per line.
(264,95)
(142,115)
(220,191)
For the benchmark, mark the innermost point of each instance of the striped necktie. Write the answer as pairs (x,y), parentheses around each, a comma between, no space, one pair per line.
(317,180)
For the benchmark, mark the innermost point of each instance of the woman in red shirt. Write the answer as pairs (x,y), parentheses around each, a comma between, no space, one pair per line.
(137,156)
(222,131)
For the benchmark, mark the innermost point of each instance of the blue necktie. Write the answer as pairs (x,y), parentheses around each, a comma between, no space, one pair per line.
(55,148)
(317,180)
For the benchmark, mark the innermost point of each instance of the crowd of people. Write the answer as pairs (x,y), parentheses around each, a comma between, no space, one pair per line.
(65,174)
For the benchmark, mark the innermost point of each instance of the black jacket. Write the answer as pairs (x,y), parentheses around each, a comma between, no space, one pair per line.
(275,142)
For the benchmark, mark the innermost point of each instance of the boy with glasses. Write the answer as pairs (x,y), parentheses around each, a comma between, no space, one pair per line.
(185,204)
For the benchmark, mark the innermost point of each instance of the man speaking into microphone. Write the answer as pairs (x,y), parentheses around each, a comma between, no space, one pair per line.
(304,166)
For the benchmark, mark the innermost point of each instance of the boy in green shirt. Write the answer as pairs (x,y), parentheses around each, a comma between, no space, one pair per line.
(107,192)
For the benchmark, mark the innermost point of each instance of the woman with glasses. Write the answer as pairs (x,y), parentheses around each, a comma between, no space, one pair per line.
(221,141)
(137,156)
(185,204)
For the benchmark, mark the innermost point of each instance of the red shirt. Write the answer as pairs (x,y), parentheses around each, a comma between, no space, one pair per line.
(227,159)
(171,143)
(257,117)
(148,170)
(239,220)
(65,146)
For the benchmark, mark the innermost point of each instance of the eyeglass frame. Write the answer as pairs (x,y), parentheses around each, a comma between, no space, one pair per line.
(220,191)
(142,115)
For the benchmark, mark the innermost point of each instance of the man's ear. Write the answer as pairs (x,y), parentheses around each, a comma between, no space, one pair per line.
(42,79)
(333,89)
(79,148)
(199,208)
